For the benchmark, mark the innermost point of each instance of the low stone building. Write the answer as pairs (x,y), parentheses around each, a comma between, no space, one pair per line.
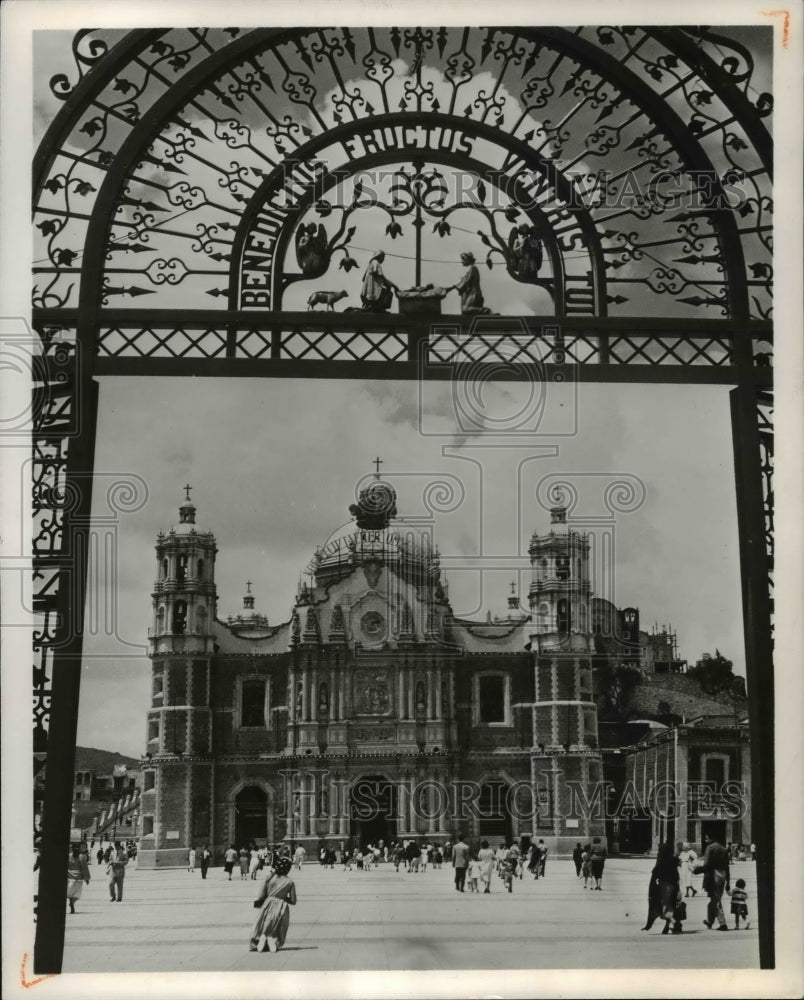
(686,781)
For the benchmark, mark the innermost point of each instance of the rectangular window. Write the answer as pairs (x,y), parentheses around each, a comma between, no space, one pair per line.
(147,826)
(715,770)
(491,698)
(252,703)
(149,781)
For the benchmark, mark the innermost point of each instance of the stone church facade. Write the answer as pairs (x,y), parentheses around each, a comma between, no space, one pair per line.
(374,712)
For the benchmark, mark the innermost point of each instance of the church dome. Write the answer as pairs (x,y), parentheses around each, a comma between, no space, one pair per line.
(376,534)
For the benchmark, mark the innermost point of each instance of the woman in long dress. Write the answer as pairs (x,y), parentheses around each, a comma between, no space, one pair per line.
(77,875)
(278,893)
(486,858)
(688,858)
(663,891)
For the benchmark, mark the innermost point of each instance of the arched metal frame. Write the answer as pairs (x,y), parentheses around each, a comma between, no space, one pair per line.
(683,97)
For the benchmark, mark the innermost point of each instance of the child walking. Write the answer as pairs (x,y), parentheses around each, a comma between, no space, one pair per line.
(739,903)
(474,875)
(586,866)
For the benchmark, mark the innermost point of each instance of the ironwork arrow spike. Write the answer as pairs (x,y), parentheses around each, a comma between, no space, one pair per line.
(134,290)
(220,256)
(617,299)
(441,40)
(304,55)
(217,292)
(530,62)
(133,247)
(699,300)
(486,49)
(348,42)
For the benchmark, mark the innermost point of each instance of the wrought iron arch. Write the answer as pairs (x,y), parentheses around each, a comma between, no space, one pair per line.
(674,293)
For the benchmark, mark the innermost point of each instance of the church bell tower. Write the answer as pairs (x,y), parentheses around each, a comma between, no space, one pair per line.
(181,648)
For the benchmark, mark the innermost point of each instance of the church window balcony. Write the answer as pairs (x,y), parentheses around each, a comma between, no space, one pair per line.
(492,699)
(252,696)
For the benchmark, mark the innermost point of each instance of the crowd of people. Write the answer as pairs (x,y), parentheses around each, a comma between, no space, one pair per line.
(672,880)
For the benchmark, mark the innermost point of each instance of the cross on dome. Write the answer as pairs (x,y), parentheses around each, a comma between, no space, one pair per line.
(377,462)
(187,489)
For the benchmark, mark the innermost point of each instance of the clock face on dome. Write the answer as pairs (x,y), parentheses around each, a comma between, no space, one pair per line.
(372,623)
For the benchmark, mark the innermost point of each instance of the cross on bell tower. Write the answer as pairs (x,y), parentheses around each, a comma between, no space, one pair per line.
(377,463)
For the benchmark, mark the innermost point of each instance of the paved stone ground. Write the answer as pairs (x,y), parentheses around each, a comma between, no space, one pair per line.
(173,921)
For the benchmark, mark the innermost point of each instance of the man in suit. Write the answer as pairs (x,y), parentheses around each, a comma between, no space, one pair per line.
(460,861)
(716,879)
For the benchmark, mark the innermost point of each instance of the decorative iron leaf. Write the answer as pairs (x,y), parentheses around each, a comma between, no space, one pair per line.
(347,263)
(54,184)
(65,257)
(92,126)
(481,190)
(49,227)
(84,188)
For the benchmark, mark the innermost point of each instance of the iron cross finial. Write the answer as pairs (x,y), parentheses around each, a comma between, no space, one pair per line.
(187,489)
(377,462)
(513,586)
(248,586)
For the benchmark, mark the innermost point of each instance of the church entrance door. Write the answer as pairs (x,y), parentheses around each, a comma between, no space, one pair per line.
(251,816)
(372,811)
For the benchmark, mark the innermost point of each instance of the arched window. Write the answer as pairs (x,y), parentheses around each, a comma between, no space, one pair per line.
(200,573)
(181,571)
(421,697)
(562,619)
(323,698)
(164,569)
(180,618)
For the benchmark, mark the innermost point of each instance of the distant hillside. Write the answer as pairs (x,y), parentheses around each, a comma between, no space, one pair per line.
(101,761)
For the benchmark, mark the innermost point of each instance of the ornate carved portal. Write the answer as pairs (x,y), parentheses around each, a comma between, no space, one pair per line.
(591,201)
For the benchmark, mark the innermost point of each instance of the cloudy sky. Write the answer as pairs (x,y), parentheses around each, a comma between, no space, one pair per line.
(275,464)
